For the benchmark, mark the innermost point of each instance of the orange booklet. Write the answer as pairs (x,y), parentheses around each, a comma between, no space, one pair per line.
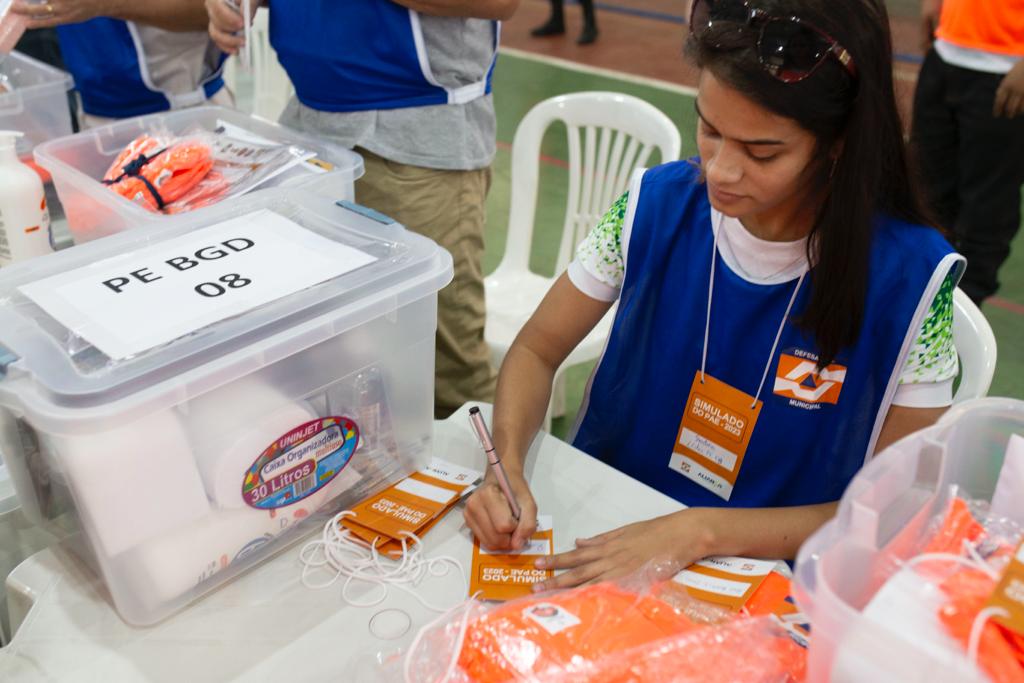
(504,576)
(413,505)
(726,581)
(392,547)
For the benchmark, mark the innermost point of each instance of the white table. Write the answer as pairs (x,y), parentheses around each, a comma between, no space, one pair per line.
(266,626)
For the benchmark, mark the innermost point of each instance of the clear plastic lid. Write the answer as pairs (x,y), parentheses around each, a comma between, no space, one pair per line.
(20,73)
(65,363)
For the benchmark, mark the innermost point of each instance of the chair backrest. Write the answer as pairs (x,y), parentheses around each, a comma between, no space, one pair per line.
(609,135)
(976,346)
(271,86)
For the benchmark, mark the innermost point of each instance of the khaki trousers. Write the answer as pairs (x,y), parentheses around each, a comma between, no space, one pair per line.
(448,207)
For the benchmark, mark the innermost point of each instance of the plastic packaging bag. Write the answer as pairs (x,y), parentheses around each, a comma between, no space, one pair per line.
(970,532)
(156,172)
(998,651)
(956,569)
(173,174)
(639,629)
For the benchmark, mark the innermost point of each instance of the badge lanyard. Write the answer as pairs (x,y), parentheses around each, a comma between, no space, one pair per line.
(707,321)
(719,419)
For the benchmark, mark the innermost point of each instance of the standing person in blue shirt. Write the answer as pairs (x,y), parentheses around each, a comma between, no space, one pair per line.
(783,310)
(130,59)
(407,83)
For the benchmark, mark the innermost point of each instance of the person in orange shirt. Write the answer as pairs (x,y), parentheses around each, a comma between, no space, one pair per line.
(968,128)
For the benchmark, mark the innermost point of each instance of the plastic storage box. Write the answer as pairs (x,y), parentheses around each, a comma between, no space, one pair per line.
(78,162)
(36,103)
(882,519)
(222,398)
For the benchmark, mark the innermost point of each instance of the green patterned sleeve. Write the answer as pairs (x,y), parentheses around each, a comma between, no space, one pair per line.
(600,252)
(933,357)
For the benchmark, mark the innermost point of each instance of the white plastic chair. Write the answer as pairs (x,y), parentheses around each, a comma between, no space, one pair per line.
(609,136)
(271,86)
(976,345)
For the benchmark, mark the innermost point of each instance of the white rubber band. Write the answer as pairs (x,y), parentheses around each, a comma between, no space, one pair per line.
(338,553)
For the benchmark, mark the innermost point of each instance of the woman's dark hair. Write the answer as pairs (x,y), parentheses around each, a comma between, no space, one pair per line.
(871,174)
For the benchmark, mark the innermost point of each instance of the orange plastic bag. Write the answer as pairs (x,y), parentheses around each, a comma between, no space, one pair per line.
(535,635)
(958,525)
(210,190)
(613,632)
(1000,651)
(960,533)
(740,651)
(154,176)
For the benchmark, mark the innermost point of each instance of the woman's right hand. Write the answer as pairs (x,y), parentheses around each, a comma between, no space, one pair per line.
(565,316)
(489,516)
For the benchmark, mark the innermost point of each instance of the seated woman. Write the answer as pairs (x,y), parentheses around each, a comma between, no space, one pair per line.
(784,312)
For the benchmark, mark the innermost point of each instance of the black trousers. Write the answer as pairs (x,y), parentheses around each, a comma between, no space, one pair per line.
(558,10)
(972,164)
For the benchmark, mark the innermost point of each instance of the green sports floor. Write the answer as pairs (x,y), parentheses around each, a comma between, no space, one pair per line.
(521,80)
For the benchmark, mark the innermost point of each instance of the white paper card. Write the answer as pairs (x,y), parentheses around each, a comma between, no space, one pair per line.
(552,618)
(535,546)
(711,584)
(134,302)
(452,473)
(422,489)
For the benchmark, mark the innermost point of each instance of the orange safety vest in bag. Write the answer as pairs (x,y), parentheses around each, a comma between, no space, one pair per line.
(606,634)
(1000,651)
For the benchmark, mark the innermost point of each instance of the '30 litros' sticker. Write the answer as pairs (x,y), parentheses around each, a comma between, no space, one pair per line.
(300,463)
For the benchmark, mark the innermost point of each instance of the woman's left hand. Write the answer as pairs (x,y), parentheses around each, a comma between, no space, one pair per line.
(682,537)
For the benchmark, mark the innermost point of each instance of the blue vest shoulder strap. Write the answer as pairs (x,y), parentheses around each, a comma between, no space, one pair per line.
(107,60)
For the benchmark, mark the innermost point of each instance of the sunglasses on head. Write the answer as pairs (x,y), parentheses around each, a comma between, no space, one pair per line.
(789,48)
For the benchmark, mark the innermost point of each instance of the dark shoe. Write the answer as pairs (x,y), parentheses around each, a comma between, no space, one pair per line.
(588,35)
(553,27)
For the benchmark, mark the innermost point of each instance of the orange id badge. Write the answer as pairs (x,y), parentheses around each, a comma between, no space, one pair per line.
(714,434)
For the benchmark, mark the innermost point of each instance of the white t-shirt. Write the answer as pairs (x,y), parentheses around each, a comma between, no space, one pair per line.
(974,59)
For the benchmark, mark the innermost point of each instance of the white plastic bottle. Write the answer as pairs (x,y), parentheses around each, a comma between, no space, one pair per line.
(24,218)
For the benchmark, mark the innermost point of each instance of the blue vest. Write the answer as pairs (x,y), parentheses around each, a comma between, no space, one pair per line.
(801,452)
(360,55)
(109,72)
